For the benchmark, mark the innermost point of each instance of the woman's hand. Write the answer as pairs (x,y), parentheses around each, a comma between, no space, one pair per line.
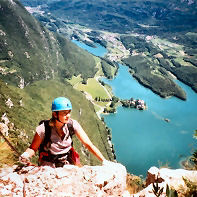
(25,158)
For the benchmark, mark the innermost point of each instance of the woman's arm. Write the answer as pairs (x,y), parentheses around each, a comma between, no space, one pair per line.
(30,152)
(35,143)
(81,134)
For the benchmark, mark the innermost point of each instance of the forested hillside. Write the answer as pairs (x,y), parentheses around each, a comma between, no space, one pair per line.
(150,17)
(34,66)
(30,52)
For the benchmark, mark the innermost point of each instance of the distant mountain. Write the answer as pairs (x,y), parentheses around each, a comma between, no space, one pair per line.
(30,52)
(154,16)
(34,64)
(158,24)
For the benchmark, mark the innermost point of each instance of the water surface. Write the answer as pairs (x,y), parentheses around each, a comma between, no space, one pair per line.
(98,51)
(142,138)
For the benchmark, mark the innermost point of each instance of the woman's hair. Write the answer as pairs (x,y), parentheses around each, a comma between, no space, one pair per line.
(52,120)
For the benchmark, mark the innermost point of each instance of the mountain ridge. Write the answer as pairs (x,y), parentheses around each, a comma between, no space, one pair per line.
(41,52)
(127,15)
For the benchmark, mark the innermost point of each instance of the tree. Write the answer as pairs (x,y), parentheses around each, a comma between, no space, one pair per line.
(115,99)
(66,74)
(102,83)
(105,110)
(112,104)
(84,81)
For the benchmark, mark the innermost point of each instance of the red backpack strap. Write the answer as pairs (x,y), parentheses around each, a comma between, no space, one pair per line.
(46,142)
(75,157)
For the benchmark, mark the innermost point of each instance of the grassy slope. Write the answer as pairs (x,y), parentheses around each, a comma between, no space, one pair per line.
(7,155)
(36,100)
(94,88)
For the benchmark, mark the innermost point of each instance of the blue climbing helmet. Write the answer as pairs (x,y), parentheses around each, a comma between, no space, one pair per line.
(61,103)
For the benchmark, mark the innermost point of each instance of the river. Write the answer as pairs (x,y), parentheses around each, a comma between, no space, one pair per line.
(142,138)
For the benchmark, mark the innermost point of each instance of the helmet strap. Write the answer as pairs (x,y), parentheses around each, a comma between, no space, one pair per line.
(57,113)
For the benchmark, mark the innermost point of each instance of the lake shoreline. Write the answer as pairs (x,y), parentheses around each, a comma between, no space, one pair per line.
(140,125)
(119,51)
(149,122)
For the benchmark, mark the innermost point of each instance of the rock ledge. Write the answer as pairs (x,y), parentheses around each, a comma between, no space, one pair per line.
(94,181)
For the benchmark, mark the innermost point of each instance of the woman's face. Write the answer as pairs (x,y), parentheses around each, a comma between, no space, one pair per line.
(64,115)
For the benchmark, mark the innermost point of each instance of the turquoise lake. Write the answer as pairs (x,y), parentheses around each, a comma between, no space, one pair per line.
(98,51)
(142,138)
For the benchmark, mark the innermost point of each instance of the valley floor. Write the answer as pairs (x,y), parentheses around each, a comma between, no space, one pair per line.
(94,89)
(152,60)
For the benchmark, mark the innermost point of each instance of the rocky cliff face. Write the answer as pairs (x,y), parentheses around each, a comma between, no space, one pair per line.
(109,180)
(94,181)
(183,182)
